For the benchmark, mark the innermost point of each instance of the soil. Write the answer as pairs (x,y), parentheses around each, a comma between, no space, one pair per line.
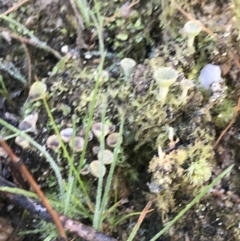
(151,33)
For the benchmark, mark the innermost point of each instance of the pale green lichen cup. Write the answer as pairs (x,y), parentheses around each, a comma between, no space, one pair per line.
(192,29)
(128,66)
(185,85)
(165,77)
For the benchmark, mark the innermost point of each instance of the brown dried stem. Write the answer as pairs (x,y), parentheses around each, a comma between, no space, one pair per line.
(26,174)
(80,26)
(236,111)
(31,42)
(85,232)
(15,7)
(29,63)
(140,219)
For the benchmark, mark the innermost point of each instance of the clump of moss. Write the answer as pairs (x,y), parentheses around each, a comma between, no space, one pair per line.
(183,168)
(198,173)
(223,113)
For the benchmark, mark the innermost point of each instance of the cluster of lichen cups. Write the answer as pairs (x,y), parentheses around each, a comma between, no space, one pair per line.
(76,143)
(75,140)
(104,157)
(37,91)
(165,77)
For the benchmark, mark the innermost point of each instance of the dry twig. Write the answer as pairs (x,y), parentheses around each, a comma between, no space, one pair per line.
(236,111)
(29,63)
(35,208)
(141,218)
(26,174)
(80,26)
(31,42)
(15,7)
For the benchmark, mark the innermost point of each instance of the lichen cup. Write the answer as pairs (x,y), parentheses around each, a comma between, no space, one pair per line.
(185,86)
(37,91)
(192,29)
(128,66)
(165,77)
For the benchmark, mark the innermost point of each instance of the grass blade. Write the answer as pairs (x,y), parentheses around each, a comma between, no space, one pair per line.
(193,202)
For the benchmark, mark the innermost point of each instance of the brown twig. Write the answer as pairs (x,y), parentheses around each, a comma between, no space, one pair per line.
(80,26)
(142,216)
(236,111)
(35,208)
(26,174)
(87,233)
(31,42)
(190,17)
(144,212)
(29,63)
(15,7)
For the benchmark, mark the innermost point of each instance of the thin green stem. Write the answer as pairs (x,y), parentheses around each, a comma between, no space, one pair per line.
(68,194)
(124,218)
(63,146)
(53,164)
(91,111)
(84,10)
(97,211)
(65,152)
(79,205)
(19,26)
(13,71)
(112,168)
(19,191)
(193,202)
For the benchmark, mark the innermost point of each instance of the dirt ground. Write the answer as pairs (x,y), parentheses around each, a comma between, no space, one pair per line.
(61,49)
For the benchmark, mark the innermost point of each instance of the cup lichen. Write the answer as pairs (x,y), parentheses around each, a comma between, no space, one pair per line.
(192,29)
(106,155)
(185,86)
(165,77)
(97,169)
(29,123)
(128,66)
(76,144)
(37,91)
(53,143)
(112,139)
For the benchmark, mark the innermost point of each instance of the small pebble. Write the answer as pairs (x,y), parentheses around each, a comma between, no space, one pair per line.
(209,74)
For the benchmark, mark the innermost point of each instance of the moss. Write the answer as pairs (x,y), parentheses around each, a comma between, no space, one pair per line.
(185,167)
(198,173)
(223,113)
